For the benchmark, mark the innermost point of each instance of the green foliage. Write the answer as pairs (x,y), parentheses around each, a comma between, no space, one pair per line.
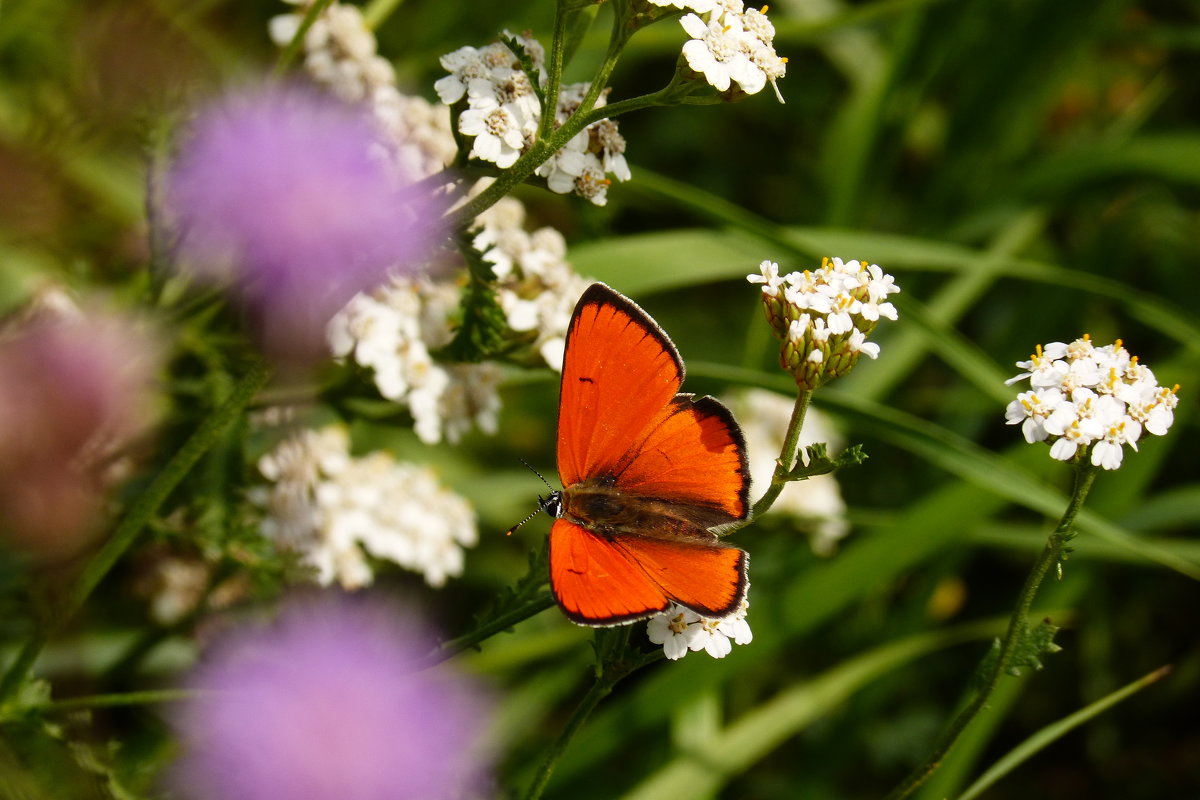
(1020,195)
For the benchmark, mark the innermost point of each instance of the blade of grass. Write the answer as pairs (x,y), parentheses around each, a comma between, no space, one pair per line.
(1057,730)
(702,771)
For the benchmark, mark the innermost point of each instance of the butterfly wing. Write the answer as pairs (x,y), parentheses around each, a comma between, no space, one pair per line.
(694,457)
(607,580)
(620,420)
(624,429)
(620,373)
(596,582)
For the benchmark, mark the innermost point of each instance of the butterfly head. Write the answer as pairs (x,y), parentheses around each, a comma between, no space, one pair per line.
(552,504)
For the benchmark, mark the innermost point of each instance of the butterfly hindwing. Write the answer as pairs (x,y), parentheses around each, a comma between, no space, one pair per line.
(597,583)
(694,456)
(710,579)
(607,580)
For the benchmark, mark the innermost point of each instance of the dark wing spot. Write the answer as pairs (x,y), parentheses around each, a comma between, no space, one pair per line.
(585,379)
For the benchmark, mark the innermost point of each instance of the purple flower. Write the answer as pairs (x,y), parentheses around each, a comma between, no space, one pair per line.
(74,391)
(324,704)
(289,195)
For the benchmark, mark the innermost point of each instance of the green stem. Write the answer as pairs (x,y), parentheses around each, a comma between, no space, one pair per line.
(136,517)
(502,623)
(1057,730)
(787,455)
(616,660)
(554,73)
(377,11)
(1085,474)
(146,697)
(293,47)
(599,690)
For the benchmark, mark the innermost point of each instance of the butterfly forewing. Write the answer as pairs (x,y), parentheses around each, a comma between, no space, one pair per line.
(619,374)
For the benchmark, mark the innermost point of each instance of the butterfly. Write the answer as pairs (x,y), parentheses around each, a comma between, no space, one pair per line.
(647,473)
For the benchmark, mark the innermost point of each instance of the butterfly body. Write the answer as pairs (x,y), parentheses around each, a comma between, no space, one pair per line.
(647,472)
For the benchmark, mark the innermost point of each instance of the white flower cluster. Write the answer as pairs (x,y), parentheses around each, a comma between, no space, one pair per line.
(731,44)
(334,509)
(503,115)
(392,331)
(536,286)
(680,629)
(816,502)
(824,316)
(340,53)
(1084,396)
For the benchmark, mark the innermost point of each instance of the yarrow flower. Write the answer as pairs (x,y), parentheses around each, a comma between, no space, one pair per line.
(502,114)
(340,54)
(75,389)
(334,509)
(535,284)
(283,193)
(732,45)
(1089,402)
(393,331)
(326,703)
(824,317)
(680,630)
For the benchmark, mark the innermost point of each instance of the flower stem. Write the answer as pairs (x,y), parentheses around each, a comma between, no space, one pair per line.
(1051,557)
(293,47)
(554,73)
(599,690)
(136,517)
(453,647)
(146,697)
(787,454)
(617,660)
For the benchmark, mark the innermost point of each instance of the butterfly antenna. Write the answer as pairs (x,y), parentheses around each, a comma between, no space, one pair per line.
(536,511)
(535,472)
(542,506)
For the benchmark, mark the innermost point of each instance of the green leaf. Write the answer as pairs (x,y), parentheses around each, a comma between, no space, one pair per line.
(527,65)
(1032,644)
(483,328)
(579,22)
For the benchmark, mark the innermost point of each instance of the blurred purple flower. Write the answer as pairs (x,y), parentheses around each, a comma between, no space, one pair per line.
(289,194)
(73,392)
(324,705)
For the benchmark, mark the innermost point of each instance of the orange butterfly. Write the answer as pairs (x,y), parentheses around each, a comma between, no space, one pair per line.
(646,474)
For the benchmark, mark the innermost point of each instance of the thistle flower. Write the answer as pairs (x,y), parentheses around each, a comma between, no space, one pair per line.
(72,392)
(824,317)
(325,703)
(282,193)
(1089,402)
